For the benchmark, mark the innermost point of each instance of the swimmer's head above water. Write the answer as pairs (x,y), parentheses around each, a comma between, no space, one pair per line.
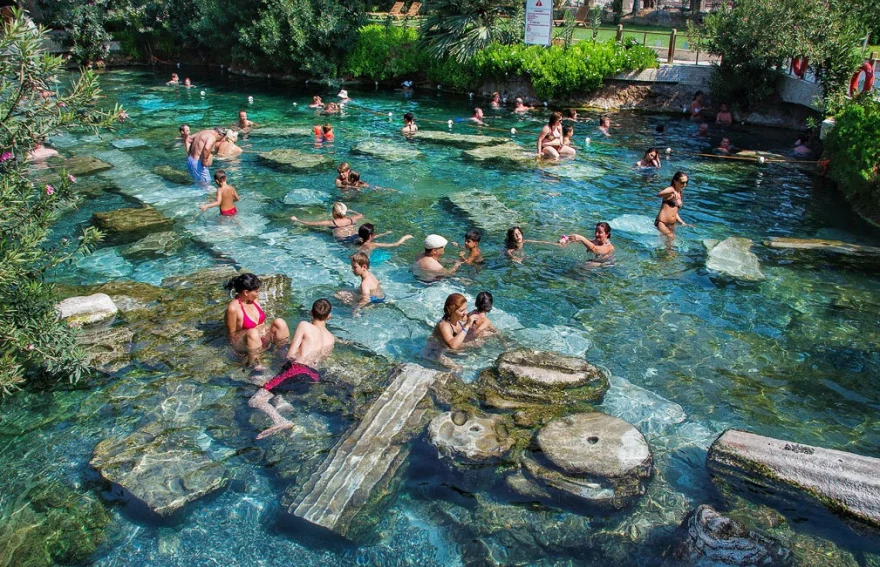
(484,302)
(244,282)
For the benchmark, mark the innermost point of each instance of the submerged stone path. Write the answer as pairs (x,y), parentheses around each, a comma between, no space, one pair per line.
(367,459)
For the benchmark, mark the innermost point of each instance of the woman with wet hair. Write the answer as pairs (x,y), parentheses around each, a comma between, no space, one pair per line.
(246,322)
(343,222)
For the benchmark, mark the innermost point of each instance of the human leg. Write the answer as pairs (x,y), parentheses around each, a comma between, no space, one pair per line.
(260,401)
(550,152)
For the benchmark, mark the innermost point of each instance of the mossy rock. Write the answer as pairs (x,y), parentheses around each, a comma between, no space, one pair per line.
(541,384)
(295,160)
(279,132)
(51,525)
(386,151)
(173,175)
(129,224)
(80,166)
(484,210)
(508,153)
(463,141)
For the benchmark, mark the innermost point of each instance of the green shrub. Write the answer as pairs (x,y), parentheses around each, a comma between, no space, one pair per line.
(854,153)
(32,338)
(385,52)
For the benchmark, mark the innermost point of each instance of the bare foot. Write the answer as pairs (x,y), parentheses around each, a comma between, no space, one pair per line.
(275,429)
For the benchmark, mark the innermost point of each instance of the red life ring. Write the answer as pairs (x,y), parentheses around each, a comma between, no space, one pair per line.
(868,71)
(799,66)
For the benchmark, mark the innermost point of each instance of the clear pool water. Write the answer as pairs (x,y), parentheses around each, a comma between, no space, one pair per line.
(691,352)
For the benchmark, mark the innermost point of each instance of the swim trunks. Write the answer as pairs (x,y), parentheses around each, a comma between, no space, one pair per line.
(288,371)
(229,212)
(374,299)
(198,170)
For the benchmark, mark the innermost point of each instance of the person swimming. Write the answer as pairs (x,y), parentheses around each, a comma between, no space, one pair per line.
(600,246)
(342,225)
(651,159)
(367,239)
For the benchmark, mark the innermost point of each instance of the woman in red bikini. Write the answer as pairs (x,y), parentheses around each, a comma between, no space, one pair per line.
(246,321)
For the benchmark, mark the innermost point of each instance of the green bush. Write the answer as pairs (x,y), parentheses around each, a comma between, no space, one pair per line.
(32,338)
(556,72)
(384,52)
(854,153)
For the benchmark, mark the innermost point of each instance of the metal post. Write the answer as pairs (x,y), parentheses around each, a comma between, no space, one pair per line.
(671,54)
(619,32)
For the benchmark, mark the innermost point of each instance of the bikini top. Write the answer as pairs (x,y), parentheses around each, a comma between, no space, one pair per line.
(350,222)
(675,202)
(247,322)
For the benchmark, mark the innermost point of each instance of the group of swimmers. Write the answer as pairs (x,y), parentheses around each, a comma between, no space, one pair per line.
(251,334)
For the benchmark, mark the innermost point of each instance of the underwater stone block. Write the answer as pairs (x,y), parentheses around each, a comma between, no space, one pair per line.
(81,166)
(825,247)
(157,244)
(469,438)
(484,210)
(279,132)
(349,489)
(507,154)
(87,309)
(464,141)
(173,175)
(706,538)
(733,256)
(528,378)
(846,483)
(131,224)
(295,160)
(386,151)
(161,465)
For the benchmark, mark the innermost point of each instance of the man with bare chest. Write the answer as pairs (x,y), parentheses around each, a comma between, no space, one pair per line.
(200,157)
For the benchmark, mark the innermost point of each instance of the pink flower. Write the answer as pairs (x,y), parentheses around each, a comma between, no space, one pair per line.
(71,178)
(61,104)
(31,346)
(49,190)
(6,157)
(123,116)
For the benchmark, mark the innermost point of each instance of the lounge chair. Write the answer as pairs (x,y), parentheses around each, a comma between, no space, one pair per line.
(413,11)
(579,18)
(395,11)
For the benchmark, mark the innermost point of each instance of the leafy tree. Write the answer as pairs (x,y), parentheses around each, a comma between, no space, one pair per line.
(855,160)
(32,339)
(461,28)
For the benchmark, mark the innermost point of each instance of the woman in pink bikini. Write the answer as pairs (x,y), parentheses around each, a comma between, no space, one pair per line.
(246,321)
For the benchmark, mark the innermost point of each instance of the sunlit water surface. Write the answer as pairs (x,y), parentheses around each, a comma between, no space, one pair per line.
(793,356)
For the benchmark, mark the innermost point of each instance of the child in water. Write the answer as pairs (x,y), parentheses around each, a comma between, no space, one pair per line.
(481,326)
(324,133)
(472,246)
(342,178)
(354,181)
(371,291)
(367,239)
(226,196)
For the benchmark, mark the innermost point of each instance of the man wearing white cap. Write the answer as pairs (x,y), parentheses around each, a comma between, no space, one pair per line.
(428,264)
(343,95)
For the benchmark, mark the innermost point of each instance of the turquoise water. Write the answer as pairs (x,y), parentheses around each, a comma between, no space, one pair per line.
(691,352)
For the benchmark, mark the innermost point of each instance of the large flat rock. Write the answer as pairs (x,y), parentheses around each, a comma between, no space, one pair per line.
(826,247)
(81,166)
(281,132)
(733,257)
(469,438)
(128,224)
(295,160)
(596,444)
(463,141)
(508,153)
(387,151)
(172,175)
(346,491)
(846,483)
(484,211)
(87,309)
(163,466)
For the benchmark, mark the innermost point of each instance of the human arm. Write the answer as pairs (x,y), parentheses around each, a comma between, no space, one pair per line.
(235,196)
(215,203)
(392,244)
(454,341)
(312,223)
(585,241)
(232,325)
(542,242)
(296,343)
(680,221)
(668,192)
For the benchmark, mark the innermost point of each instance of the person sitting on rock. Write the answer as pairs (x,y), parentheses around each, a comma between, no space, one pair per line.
(246,321)
(427,266)
(311,344)
(567,133)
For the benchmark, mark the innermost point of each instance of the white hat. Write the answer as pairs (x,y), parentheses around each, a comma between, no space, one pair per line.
(343,94)
(407,84)
(435,241)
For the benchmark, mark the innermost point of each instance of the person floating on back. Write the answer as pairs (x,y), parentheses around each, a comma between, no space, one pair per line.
(226,196)
(311,344)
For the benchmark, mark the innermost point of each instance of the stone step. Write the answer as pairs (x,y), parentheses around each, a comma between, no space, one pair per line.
(363,464)
(844,482)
